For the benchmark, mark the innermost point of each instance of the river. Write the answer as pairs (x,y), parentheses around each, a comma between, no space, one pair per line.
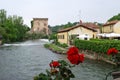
(22,61)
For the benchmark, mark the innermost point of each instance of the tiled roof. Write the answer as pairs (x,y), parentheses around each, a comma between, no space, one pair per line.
(68,29)
(111,23)
(91,25)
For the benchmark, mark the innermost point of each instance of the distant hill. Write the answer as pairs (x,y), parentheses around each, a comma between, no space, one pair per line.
(116,17)
(54,29)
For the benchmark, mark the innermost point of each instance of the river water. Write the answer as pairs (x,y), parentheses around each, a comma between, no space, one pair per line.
(22,61)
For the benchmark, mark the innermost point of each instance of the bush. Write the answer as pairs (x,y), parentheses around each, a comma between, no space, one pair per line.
(33,36)
(54,48)
(46,45)
(62,45)
(98,46)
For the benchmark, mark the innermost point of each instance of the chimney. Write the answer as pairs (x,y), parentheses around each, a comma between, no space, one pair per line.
(80,21)
(95,23)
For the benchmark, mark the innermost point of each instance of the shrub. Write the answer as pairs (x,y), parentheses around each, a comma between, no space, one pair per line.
(46,45)
(98,46)
(62,45)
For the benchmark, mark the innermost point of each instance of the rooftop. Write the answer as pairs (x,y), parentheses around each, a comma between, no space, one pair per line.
(91,25)
(40,18)
(110,23)
(82,25)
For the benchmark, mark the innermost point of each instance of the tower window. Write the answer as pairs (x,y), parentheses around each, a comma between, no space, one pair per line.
(38,23)
(45,24)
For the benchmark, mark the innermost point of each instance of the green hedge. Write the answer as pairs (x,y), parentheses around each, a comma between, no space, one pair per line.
(98,46)
(63,45)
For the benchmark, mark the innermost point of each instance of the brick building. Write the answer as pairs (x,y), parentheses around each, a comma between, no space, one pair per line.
(40,25)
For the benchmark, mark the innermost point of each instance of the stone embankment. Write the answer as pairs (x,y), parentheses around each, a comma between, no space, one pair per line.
(95,56)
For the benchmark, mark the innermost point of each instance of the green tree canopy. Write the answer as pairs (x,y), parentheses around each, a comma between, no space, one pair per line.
(12,28)
(116,17)
(62,26)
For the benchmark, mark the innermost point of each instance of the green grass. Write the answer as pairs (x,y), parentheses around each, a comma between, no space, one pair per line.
(55,48)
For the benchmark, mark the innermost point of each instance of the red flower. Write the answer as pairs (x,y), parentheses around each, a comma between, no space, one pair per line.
(54,64)
(81,57)
(112,51)
(72,51)
(76,59)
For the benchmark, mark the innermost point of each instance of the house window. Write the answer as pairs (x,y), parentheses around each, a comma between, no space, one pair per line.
(111,28)
(85,38)
(38,23)
(93,35)
(73,36)
(45,24)
(60,36)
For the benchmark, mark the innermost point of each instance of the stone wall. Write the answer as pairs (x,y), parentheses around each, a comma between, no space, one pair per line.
(95,56)
(40,25)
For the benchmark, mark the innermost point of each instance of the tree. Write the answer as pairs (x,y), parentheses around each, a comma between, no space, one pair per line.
(12,28)
(62,26)
(116,17)
(2,16)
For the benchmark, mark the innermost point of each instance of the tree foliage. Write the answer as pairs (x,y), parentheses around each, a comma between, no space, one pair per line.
(12,28)
(116,17)
(62,26)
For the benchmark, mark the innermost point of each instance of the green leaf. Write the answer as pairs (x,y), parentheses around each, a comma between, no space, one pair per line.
(63,63)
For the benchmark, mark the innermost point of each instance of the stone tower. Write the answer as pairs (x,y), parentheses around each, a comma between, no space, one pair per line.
(40,25)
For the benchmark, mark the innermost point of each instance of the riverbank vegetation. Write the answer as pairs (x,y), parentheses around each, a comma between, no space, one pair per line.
(115,17)
(33,36)
(55,48)
(97,47)
(63,45)
(12,27)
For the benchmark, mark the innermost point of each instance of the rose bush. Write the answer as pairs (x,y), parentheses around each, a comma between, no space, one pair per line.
(74,57)
(115,55)
(72,51)
(54,64)
(60,70)
(112,51)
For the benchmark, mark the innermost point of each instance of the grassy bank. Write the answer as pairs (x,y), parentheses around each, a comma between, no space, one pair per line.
(55,48)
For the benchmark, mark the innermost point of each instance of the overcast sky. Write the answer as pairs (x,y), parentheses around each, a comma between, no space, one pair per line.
(62,11)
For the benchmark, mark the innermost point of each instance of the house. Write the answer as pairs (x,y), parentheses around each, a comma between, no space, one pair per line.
(81,31)
(111,29)
(40,25)
(93,25)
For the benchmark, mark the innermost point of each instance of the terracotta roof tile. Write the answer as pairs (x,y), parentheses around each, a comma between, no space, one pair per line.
(91,25)
(110,23)
(68,29)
